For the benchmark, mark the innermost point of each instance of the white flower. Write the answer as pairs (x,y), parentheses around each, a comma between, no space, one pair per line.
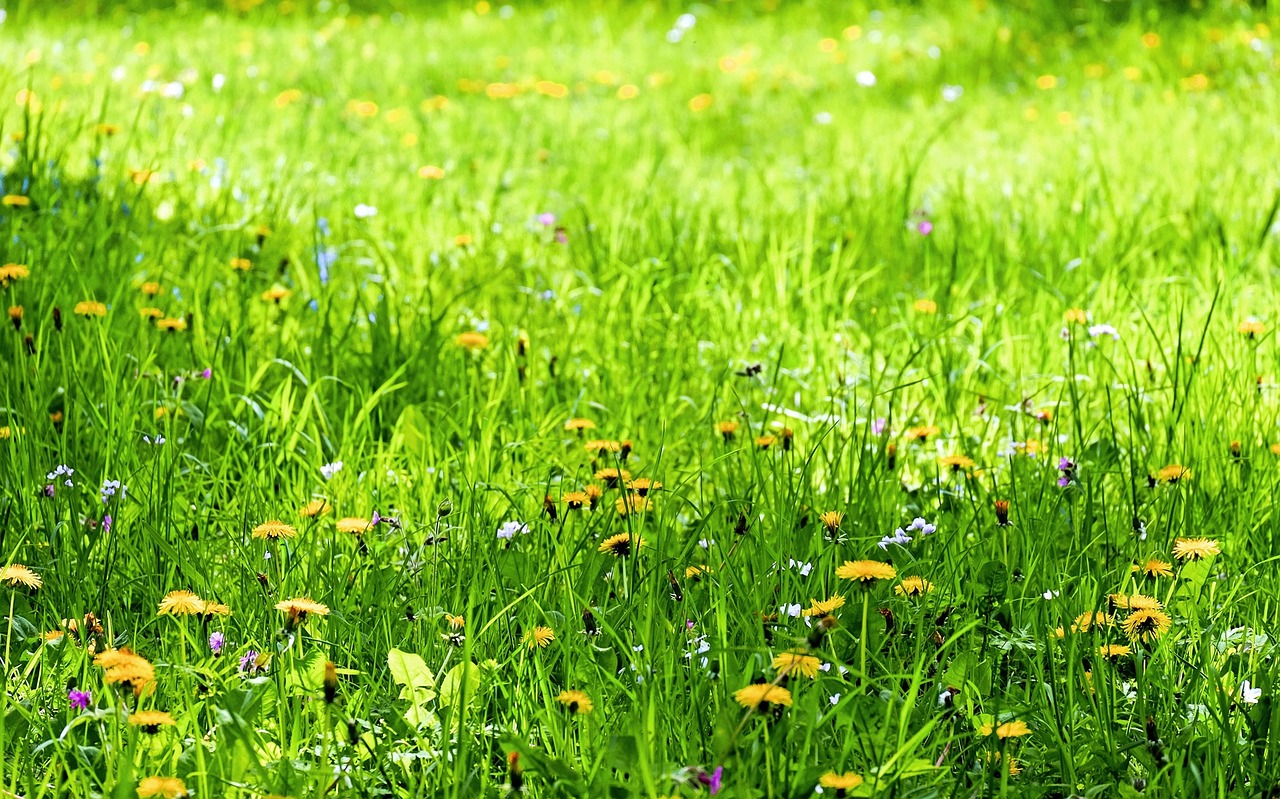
(1096,331)
(685,21)
(218,82)
(1249,694)
(790,610)
(866,78)
(952,93)
(922,526)
(706,543)
(899,537)
(822,118)
(835,699)
(330,469)
(173,90)
(510,529)
(803,568)
(1050,594)
(363,211)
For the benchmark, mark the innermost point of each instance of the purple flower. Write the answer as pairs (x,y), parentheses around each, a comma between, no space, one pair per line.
(561,236)
(1065,465)
(49,490)
(373,522)
(712,780)
(924,227)
(106,524)
(546,218)
(207,374)
(216,642)
(79,700)
(249,662)
(878,426)
(1064,481)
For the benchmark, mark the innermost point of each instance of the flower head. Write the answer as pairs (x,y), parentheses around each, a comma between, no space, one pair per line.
(181,603)
(15,574)
(299,608)
(539,637)
(1146,624)
(90,308)
(865,571)
(10,273)
(79,700)
(316,507)
(1173,473)
(273,530)
(831,520)
(472,341)
(798,662)
(761,696)
(621,545)
(1153,567)
(1195,548)
(511,529)
(579,424)
(1010,729)
(150,721)
(840,783)
(165,787)
(217,641)
(913,586)
(576,702)
(826,607)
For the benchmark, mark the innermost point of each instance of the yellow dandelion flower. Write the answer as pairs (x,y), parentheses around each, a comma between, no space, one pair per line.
(1010,729)
(621,545)
(576,702)
(643,485)
(826,607)
(696,573)
(150,314)
(354,525)
(15,574)
(765,441)
(1146,625)
(831,519)
(1153,567)
(539,638)
(171,325)
(276,294)
(727,429)
(922,433)
(1173,473)
(273,530)
(181,603)
(1089,619)
(472,341)
(1015,768)
(913,586)
(865,571)
(150,288)
(1134,602)
(15,201)
(316,507)
(299,608)
(164,787)
(430,172)
(612,477)
(574,500)
(1114,651)
(1195,548)
(761,696)
(150,721)
(579,425)
(10,273)
(216,609)
(956,463)
(1252,328)
(455,622)
(798,662)
(240,264)
(925,306)
(89,308)
(603,445)
(628,504)
(840,783)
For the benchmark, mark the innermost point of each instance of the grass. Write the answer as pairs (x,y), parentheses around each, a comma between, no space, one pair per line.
(790,265)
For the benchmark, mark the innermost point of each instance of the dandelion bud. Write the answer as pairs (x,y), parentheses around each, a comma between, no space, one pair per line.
(444,509)
(624,450)
(742,525)
(891,456)
(1002,512)
(515,774)
(589,622)
(57,319)
(1235,450)
(29,343)
(15,316)
(787,435)
(330,682)
(353,732)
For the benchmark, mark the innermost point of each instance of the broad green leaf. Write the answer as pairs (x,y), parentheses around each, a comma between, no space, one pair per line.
(410,671)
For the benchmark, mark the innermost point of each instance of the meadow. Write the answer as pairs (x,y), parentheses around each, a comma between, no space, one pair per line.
(607,399)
